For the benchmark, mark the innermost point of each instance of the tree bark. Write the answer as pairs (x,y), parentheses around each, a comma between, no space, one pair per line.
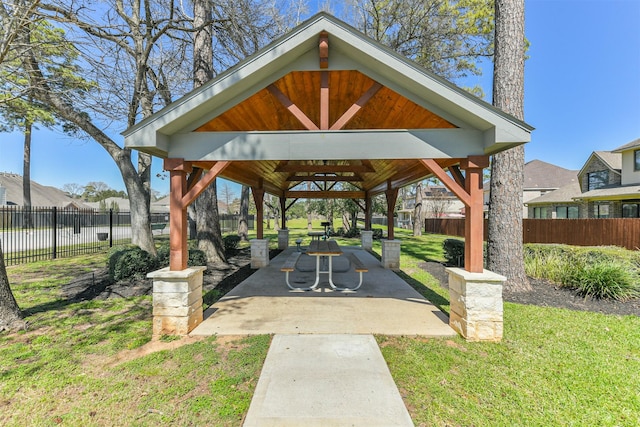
(505,248)
(417,212)
(243,223)
(26,176)
(207,218)
(10,314)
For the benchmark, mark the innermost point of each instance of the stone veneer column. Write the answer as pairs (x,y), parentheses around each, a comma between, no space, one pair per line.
(283,239)
(367,239)
(391,254)
(476,304)
(177,300)
(259,253)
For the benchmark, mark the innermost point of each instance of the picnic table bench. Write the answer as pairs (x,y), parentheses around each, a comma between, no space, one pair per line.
(318,250)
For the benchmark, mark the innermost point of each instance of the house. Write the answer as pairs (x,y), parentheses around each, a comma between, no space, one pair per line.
(540,178)
(41,195)
(608,187)
(437,202)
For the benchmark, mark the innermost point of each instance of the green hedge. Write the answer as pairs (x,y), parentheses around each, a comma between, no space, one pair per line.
(133,262)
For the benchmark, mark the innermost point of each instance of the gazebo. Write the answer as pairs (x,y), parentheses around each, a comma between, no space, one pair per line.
(327,104)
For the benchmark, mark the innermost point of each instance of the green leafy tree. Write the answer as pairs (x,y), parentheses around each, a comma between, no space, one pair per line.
(445,36)
(18,108)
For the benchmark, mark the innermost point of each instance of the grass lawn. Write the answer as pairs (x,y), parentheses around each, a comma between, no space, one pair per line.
(93,363)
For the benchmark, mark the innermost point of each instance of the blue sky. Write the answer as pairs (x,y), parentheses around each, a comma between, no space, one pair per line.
(582,94)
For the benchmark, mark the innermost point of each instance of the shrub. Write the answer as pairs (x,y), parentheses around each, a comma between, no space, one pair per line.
(231,242)
(454,252)
(598,272)
(131,262)
(605,280)
(352,232)
(377,234)
(196,257)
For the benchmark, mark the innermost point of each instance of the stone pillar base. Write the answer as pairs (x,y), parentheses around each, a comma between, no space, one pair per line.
(391,254)
(283,239)
(476,310)
(259,253)
(367,239)
(177,300)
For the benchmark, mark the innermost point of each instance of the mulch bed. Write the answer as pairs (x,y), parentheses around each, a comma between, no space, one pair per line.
(547,294)
(97,285)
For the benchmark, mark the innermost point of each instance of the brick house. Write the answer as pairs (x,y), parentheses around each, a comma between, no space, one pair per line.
(609,187)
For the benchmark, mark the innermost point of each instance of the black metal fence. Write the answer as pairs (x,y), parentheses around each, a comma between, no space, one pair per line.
(39,233)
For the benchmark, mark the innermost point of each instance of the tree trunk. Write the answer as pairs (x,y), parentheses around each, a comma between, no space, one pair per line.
(417,212)
(504,246)
(26,176)
(208,230)
(207,218)
(243,223)
(10,315)
(309,213)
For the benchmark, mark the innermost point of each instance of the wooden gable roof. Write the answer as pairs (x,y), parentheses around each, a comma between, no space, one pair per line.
(325,103)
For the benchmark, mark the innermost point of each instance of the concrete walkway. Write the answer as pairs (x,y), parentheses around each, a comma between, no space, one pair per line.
(326,380)
(324,367)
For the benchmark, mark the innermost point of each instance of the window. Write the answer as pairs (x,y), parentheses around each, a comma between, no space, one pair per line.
(598,179)
(630,210)
(563,212)
(540,213)
(636,160)
(600,211)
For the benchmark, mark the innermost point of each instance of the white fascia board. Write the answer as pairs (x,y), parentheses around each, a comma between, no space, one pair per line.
(327,145)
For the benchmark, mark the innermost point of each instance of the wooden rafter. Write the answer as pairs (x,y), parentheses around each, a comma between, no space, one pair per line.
(337,178)
(348,115)
(293,108)
(292,167)
(328,194)
(324,49)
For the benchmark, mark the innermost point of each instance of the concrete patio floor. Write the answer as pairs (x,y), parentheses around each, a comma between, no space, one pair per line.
(385,304)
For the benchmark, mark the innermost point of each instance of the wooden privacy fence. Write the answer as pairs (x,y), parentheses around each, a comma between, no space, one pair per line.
(624,232)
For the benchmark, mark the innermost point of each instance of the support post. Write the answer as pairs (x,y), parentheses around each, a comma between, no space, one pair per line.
(367,212)
(391,195)
(474,213)
(476,310)
(178,252)
(258,198)
(366,237)
(283,211)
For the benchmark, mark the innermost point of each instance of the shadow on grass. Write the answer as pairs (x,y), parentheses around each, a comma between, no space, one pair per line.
(435,298)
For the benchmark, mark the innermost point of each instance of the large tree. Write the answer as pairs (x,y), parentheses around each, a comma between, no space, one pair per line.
(445,36)
(505,247)
(15,16)
(207,218)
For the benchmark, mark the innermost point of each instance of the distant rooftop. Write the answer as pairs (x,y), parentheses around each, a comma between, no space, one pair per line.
(543,175)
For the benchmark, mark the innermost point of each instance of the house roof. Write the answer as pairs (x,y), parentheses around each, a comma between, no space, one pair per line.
(41,195)
(617,192)
(354,109)
(628,146)
(543,175)
(564,194)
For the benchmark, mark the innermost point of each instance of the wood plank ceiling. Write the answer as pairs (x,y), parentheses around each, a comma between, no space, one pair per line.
(328,100)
